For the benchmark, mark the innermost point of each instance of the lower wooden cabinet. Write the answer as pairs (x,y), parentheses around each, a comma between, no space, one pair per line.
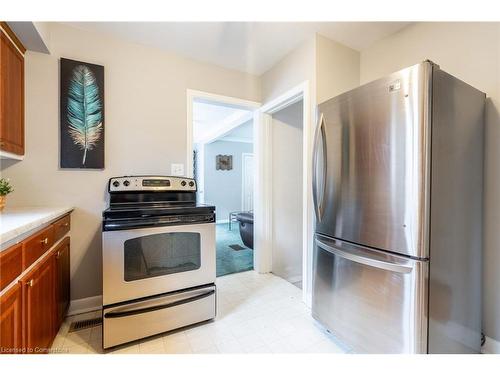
(32,310)
(11,321)
(39,306)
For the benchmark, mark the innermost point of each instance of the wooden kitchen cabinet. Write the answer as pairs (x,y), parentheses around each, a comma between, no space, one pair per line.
(11,264)
(11,321)
(62,272)
(39,306)
(36,245)
(35,289)
(11,92)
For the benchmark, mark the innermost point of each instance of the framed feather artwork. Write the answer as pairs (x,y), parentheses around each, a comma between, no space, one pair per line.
(81,115)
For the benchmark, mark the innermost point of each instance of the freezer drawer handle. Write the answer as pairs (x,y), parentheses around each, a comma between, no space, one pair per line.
(157,307)
(389,266)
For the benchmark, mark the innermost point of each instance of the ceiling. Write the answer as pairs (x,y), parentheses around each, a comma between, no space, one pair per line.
(243,133)
(252,47)
(210,118)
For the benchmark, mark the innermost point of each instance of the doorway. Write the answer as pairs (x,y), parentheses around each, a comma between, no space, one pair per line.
(287,185)
(267,191)
(222,164)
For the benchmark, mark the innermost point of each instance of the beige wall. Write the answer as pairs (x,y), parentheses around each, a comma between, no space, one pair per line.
(471,52)
(145,99)
(296,67)
(337,68)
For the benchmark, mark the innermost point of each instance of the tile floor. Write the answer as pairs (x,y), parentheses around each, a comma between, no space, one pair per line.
(256,314)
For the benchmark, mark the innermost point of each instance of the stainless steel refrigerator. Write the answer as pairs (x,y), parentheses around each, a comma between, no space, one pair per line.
(397,185)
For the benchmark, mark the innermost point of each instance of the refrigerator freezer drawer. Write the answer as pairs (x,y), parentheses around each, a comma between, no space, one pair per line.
(136,320)
(373,301)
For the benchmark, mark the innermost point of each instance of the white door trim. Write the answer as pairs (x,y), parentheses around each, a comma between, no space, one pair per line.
(263,182)
(192,95)
(243,174)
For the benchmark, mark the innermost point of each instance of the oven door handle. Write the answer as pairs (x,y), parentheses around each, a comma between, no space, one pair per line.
(120,314)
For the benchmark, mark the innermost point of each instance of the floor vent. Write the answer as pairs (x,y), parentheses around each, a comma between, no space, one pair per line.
(236,247)
(84,324)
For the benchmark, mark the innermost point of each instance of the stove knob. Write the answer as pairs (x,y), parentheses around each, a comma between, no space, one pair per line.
(183,183)
(116,184)
(191,183)
(126,182)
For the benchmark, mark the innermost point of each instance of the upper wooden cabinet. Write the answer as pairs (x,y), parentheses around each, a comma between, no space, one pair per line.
(11,92)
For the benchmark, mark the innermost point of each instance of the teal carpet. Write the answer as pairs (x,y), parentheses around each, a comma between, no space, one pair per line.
(229,260)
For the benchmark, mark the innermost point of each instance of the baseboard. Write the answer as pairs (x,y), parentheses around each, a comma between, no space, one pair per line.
(294,279)
(83,305)
(491,346)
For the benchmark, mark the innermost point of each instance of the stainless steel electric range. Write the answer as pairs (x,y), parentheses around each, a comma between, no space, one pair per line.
(158,258)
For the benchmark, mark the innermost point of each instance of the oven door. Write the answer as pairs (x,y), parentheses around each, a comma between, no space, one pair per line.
(149,261)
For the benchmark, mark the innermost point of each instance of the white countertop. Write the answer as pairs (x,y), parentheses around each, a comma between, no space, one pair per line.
(18,222)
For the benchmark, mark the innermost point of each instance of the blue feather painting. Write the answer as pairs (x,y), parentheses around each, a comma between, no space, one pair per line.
(82,115)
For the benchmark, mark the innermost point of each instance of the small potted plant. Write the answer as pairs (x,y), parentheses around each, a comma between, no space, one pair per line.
(5,188)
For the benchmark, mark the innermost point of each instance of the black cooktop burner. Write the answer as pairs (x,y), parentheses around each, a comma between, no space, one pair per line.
(148,207)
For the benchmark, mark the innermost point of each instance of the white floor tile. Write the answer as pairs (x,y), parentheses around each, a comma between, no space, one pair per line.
(257,313)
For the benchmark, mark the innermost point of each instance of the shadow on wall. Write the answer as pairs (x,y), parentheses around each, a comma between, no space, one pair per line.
(491,258)
(6,163)
(91,256)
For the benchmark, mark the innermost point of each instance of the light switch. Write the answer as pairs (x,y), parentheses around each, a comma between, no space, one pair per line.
(177,169)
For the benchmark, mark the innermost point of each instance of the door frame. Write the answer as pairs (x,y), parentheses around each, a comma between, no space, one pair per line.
(263,182)
(191,96)
(243,168)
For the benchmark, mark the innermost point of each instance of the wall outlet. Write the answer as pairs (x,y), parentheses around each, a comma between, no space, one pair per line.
(177,169)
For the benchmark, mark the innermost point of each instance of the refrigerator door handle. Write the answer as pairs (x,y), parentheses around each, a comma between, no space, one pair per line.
(320,132)
(373,261)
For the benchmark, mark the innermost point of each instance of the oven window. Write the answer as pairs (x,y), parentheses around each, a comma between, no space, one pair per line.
(161,254)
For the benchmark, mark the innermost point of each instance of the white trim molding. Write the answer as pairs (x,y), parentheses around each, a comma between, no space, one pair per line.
(491,346)
(263,182)
(83,305)
(10,156)
(236,139)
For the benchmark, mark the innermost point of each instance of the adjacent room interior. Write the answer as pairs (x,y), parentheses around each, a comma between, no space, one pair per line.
(223,169)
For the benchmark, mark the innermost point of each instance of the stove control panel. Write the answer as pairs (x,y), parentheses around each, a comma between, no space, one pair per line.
(151,183)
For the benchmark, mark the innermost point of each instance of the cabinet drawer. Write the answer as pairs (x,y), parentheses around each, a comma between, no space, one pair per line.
(61,227)
(11,264)
(37,245)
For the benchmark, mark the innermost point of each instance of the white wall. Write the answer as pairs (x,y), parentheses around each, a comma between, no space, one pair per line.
(223,188)
(471,52)
(287,133)
(145,108)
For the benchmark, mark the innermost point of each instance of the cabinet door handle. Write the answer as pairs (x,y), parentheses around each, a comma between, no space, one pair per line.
(30,283)
(65,224)
(45,241)
(58,255)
